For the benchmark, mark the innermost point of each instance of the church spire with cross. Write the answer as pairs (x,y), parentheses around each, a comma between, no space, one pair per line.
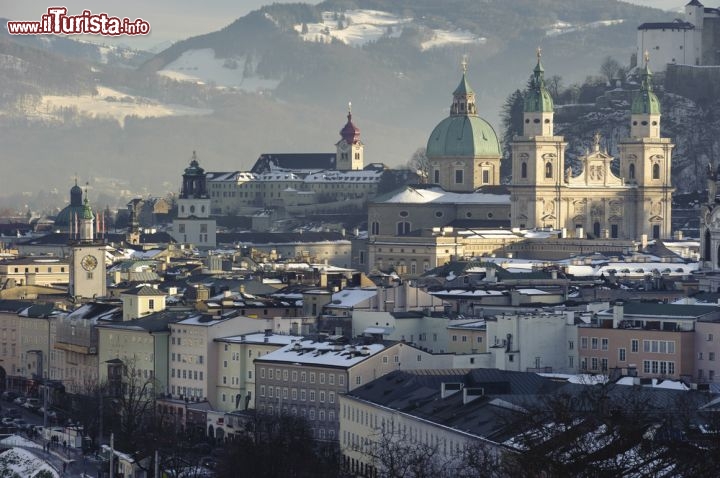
(538,105)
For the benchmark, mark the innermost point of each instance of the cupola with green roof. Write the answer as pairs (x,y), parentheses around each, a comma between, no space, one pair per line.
(538,106)
(463,149)
(645,109)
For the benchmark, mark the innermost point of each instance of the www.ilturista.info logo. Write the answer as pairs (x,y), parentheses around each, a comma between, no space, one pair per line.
(58,22)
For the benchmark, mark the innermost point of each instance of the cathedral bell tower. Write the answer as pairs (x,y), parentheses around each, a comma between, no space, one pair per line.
(537,161)
(645,160)
(87,256)
(350,150)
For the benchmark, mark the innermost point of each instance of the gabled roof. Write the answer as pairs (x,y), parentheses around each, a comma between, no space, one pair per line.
(279,238)
(676,24)
(144,290)
(157,322)
(294,161)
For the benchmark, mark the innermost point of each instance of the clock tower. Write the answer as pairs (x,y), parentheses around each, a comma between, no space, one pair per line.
(87,254)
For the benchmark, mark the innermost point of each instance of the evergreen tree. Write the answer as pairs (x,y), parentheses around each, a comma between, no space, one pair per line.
(512,121)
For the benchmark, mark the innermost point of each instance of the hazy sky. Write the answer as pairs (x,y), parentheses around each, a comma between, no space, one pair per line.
(172,20)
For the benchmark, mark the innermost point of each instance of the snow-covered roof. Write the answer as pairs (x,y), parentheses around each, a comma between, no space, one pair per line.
(436,195)
(309,352)
(272,339)
(349,298)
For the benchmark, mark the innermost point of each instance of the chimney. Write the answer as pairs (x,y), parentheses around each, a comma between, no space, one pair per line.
(618,313)
(447,389)
(472,393)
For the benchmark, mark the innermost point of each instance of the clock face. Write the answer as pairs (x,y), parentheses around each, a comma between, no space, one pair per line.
(344,146)
(89,263)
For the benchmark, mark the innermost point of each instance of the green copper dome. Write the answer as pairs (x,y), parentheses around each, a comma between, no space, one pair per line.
(645,101)
(463,133)
(537,98)
(463,136)
(86,211)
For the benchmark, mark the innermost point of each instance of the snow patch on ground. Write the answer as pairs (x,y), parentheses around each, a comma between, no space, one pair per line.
(202,67)
(19,462)
(359,27)
(109,103)
(561,27)
(443,38)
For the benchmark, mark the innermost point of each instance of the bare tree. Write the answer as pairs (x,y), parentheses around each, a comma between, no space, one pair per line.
(419,163)
(610,68)
(396,454)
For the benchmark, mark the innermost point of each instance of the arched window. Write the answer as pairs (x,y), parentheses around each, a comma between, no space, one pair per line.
(707,253)
(596,229)
(656,171)
(631,171)
(548,170)
(375,228)
(436,179)
(523,170)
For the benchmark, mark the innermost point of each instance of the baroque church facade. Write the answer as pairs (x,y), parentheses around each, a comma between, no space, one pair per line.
(633,205)
(468,202)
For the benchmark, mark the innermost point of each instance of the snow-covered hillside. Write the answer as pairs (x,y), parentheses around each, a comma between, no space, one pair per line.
(109,103)
(201,66)
(560,27)
(359,27)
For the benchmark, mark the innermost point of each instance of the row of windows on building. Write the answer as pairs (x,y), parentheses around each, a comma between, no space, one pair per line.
(649,346)
(285,375)
(186,358)
(187,374)
(549,171)
(460,176)
(320,433)
(302,395)
(203,228)
(187,391)
(16,270)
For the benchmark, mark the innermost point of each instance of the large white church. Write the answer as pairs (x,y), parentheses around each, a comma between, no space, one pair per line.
(464,159)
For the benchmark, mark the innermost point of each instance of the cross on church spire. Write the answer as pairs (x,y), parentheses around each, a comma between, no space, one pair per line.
(464,63)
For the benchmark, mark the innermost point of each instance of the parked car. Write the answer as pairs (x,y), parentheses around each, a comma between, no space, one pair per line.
(7,421)
(32,403)
(9,395)
(19,400)
(21,424)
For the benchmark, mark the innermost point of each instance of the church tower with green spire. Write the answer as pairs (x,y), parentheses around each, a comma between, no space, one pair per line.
(87,255)
(537,161)
(645,160)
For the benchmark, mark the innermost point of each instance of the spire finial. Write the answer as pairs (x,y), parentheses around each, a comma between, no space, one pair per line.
(464,63)
(539,53)
(596,140)
(646,57)
(349,106)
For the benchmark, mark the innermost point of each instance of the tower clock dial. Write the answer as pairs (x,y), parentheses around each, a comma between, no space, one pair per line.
(89,263)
